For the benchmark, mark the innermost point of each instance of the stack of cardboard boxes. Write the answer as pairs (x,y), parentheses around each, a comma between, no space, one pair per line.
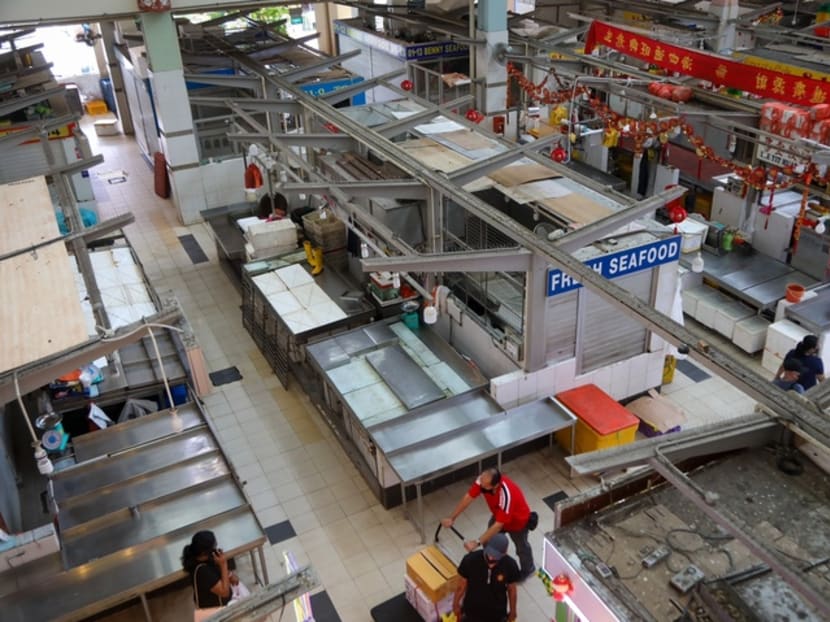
(431,580)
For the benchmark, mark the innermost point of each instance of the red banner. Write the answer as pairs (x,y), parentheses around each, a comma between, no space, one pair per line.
(718,70)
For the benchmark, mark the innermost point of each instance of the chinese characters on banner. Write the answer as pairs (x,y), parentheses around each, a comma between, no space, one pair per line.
(718,70)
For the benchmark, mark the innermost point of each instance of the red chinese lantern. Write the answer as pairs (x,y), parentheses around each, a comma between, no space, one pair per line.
(561,586)
(558,154)
(407,85)
(474,116)
(677,214)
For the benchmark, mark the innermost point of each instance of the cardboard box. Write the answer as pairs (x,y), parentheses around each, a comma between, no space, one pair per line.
(434,574)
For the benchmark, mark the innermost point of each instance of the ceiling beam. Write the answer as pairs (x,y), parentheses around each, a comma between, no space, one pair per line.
(397,188)
(499,260)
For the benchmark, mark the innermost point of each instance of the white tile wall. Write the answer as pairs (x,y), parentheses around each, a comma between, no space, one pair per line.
(527,387)
(505,390)
(546,382)
(180,150)
(619,380)
(169,98)
(188,194)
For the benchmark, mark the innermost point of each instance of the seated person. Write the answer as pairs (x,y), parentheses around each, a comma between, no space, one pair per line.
(789,377)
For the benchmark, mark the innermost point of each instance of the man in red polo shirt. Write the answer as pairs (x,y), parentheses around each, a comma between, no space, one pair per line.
(510,514)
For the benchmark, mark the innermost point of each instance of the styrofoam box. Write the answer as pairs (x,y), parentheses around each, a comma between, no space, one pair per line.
(770,362)
(783,336)
(430,611)
(707,308)
(750,334)
(427,609)
(106,127)
(693,233)
(728,315)
(690,298)
(274,233)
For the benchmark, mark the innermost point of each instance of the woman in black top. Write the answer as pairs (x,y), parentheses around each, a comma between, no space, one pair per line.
(208,569)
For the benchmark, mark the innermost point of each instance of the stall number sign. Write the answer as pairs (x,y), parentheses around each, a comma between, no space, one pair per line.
(619,264)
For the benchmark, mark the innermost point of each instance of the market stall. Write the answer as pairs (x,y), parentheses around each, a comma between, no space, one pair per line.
(137,494)
(283,307)
(415,410)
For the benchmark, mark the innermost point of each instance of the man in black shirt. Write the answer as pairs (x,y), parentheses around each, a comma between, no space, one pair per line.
(487,584)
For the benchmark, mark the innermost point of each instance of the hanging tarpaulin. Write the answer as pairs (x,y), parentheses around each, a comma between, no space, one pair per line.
(718,70)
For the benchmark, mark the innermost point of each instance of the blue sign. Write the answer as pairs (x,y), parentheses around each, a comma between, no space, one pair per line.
(417,51)
(619,264)
(321,88)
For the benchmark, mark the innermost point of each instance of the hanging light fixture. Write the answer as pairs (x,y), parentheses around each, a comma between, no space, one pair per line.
(44,465)
(364,250)
(820,226)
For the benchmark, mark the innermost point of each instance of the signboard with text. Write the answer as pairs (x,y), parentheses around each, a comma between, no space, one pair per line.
(401,50)
(620,263)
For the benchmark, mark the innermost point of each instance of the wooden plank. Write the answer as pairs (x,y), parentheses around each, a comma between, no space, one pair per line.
(578,209)
(469,140)
(435,156)
(41,311)
(518,174)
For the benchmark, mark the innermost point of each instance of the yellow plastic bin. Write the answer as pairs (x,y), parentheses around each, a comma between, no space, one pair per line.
(96,107)
(601,421)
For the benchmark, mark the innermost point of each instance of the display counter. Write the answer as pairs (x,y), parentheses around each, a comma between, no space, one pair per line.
(756,279)
(284,306)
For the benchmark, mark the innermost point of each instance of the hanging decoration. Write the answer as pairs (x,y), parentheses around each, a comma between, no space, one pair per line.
(407,85)
(474,116)
(718,70)
(646,132)
(539,92)
(559,154)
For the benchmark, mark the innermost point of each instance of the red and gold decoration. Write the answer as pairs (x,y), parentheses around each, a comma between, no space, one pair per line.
(656,132)
(558,586)
(719,70)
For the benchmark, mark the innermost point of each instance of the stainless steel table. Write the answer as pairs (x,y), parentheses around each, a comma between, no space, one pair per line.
(812,314)
(408,381)
(758,280)
(149,428)
(430,458)
(125,513)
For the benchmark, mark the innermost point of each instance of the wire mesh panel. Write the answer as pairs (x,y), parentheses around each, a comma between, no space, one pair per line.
(479,235)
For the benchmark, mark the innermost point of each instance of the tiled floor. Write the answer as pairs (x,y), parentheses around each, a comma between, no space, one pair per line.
(293,467)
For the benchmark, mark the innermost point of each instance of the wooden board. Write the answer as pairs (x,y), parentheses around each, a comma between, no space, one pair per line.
(522,173)
(469,140)
(435,156)
(41,310)
(578,209)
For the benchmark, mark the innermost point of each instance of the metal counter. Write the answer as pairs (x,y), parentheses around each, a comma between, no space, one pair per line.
(812,314)
(408,381)
(279,343)
(134,432)
(758,280)
(129,574)
(126,511)
(429,458)
(433,421)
